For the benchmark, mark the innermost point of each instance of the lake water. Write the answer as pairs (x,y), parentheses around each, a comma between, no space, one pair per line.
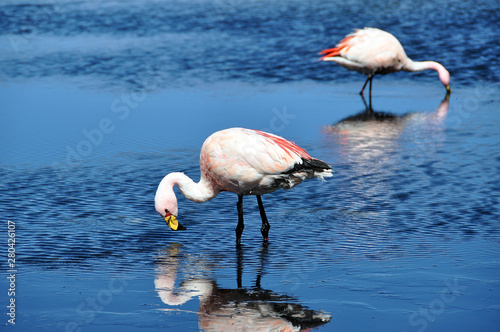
(99,100)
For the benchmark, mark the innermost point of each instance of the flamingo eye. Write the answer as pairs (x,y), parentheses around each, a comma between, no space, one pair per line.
(167,213)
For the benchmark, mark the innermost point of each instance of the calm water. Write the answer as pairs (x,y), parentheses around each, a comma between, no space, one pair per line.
(101,99)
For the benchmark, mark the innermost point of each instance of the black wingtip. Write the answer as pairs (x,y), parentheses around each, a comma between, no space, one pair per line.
(314,165)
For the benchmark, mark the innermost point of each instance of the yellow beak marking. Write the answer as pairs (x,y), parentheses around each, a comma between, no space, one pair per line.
(172,222)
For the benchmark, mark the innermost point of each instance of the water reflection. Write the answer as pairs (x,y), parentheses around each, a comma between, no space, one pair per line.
(235,309)
(371,135)
(385,164)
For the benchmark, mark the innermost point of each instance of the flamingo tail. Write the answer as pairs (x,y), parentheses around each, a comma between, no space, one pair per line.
(314,167)
(343,45)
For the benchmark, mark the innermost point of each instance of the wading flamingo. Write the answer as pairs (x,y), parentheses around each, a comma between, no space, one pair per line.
(245,162)
(371,51)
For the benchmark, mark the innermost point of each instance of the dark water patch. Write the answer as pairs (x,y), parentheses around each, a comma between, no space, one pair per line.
(401,196)
(178,43)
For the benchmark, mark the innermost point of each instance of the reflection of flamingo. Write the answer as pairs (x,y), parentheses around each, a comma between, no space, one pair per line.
(371,134)
(371,51)
(245,162)
(240,309)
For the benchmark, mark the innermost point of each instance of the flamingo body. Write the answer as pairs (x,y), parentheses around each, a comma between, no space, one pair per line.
(252,162)
(371,51)
(245,162)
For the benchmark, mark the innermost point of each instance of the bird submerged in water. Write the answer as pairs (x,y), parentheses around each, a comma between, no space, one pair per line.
(245,162)
(372,51)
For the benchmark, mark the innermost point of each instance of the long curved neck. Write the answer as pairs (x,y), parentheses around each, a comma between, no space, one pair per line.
(444,75)
(197,192)
(421,65)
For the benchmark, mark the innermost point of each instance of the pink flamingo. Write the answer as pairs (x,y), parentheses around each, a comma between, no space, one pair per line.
(371,51)
(245,162)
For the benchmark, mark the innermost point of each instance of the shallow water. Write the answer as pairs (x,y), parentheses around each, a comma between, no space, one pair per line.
(121,44)
(100,101)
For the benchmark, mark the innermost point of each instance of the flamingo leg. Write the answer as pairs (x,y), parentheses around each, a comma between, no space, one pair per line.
(265,224)
(364,85)
(370,96)
(241,226)
(371,79)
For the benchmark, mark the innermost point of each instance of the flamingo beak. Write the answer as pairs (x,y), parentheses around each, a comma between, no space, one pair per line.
(448,89)
(173,223)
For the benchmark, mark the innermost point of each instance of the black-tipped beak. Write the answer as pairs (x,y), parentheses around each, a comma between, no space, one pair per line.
(173,223)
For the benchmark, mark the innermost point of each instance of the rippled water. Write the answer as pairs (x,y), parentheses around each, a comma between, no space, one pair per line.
(119,44)
(101,99)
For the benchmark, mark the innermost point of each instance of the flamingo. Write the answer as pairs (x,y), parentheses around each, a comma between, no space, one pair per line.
(245,162)
(372,51)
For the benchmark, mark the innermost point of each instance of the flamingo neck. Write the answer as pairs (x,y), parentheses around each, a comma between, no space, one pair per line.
(165,286)
(413,66)
(197,192)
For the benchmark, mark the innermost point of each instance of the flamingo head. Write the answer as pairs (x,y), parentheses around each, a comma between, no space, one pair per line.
(444,75)
(166,203)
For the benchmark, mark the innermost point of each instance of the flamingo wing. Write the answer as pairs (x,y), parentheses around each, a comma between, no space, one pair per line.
(369,51)
(251,161)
